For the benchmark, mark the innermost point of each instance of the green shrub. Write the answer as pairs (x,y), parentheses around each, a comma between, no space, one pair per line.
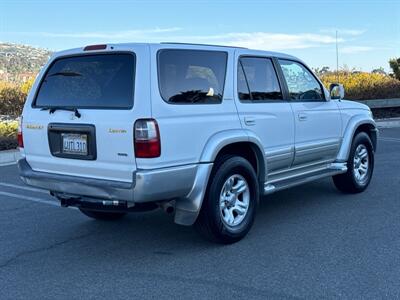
(12,100)
(8,129)
(365,86)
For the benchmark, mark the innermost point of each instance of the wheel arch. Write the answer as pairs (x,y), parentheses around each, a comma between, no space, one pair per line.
(357,124)
(240,142)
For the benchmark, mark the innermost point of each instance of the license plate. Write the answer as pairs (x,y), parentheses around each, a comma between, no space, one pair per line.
(74,143)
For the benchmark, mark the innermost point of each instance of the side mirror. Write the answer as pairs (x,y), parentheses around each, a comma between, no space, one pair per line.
(336,91)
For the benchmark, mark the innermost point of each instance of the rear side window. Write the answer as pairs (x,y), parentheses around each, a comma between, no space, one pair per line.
(257,80)
(191,76)
(89,81)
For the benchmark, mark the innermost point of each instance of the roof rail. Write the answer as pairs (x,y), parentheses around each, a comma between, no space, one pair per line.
(197,44)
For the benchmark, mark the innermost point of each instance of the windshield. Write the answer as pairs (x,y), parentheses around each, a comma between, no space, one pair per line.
(89,81)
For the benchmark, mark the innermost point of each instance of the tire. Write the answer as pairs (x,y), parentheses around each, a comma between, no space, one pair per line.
(350,182)
(224,224)
(102,215)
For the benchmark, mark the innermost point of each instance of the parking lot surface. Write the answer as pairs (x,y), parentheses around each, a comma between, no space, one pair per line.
(310,241)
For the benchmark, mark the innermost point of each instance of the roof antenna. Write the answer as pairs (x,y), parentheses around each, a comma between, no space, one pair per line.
(337,58)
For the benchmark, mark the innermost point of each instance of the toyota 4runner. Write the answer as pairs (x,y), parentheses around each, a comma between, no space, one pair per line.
(201,131)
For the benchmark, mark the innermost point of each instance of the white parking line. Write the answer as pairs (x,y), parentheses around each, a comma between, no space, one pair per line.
(22,187)
(28,198)
(388,139)
(8,164)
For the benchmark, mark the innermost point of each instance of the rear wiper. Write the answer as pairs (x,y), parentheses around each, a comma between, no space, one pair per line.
(72,74)
(52,109)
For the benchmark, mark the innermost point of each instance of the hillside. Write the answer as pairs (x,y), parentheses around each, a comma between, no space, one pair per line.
(19,62)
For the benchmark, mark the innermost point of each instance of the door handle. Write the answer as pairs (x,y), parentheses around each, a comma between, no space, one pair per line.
(249,121)
(302,117)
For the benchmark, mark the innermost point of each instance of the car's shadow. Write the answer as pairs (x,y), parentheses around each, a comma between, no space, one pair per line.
(155,233)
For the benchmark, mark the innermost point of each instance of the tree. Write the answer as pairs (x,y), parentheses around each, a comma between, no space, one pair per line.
(379,70)
(395,65)
(324,70)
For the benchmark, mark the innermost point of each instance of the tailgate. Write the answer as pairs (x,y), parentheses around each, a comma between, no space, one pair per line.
(80,121)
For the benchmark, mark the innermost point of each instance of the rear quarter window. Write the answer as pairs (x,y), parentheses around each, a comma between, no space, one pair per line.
(191,76)
(89,81)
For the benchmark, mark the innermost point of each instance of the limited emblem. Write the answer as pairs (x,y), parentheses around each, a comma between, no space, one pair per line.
(111,130)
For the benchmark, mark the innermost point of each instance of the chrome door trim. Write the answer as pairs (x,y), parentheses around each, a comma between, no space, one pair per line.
(316,151)
(279,158)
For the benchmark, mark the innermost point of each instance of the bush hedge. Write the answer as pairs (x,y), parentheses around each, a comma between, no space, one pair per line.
(12,97)
(365,86)
(8,128)
(8,135)
(8,143)
(358,86)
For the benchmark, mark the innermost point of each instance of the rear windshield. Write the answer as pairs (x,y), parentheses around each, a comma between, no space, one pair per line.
(89,81)
(191,76)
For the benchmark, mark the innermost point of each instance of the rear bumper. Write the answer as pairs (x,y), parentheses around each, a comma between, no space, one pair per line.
(146,185)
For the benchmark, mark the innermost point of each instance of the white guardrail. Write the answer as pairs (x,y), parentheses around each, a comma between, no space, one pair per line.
(381,103)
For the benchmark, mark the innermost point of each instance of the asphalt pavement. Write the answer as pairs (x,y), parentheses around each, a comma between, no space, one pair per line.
(310,241)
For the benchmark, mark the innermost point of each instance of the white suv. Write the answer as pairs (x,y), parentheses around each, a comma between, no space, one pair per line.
(201,131)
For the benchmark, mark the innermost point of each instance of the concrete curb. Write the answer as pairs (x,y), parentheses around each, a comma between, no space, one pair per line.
(388,123)
(9,157)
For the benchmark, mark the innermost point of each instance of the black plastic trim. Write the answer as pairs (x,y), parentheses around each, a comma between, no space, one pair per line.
(281,78)
(54,131)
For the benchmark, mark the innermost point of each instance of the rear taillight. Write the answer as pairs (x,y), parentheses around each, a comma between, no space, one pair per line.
(20,137)
(147,139)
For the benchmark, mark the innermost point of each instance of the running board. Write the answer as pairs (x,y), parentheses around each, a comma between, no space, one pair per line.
(331,170)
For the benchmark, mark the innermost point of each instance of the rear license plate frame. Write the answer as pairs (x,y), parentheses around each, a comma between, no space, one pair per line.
(56,131)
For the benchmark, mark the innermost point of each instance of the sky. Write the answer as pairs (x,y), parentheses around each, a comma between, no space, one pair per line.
(368,31)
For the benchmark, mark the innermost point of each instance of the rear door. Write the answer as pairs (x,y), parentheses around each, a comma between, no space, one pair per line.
(263,110)
(80,120)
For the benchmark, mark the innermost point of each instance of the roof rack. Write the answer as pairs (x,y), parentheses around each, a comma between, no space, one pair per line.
(196,44)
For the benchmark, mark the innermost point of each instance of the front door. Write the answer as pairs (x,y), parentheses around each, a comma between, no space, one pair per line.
(317,120)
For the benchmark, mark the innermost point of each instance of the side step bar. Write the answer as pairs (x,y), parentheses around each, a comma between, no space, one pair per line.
(331,170)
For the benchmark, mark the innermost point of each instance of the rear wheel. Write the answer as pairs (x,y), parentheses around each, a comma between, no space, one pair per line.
(102,215)
(360,166)
(229,207)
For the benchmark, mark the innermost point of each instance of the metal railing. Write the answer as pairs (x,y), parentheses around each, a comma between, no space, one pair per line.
(381,103)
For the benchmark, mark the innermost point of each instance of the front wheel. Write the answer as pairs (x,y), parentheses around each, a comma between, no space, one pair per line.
(229,207)
(102,215)
(360,166)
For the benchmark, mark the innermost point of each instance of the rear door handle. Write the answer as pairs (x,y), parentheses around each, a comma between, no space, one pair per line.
(302,117)
(249,121)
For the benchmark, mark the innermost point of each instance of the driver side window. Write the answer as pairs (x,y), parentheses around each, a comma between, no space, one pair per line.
(301,83)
